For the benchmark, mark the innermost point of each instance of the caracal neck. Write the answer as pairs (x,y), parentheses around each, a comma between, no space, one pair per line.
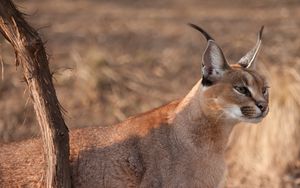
(200,127)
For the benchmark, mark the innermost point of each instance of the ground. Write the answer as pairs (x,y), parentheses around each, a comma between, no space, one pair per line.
(113,59)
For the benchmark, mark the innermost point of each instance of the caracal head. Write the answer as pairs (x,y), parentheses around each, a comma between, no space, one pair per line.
(237,91)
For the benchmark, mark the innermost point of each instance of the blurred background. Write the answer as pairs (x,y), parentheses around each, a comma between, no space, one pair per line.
(115,58)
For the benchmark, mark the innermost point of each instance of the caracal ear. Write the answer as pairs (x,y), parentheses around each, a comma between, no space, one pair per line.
(248,61)
(214,62)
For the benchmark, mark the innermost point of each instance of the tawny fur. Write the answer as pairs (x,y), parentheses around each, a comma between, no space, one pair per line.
(181,144)
(177,145)
(143,151)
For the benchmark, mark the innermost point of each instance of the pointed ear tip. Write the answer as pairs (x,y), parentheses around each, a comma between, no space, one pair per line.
(190,24)
(194,26)
(261,31)
(204,33)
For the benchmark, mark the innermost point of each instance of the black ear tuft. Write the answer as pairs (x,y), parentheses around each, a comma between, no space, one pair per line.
(248,61)
(206,35)
(214,62)
(206,82)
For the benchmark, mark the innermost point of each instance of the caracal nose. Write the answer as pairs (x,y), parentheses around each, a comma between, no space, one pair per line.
(262,105)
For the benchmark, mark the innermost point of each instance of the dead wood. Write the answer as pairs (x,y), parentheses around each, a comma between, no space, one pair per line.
(31,55)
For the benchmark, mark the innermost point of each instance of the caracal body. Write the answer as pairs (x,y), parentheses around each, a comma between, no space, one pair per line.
(180,144)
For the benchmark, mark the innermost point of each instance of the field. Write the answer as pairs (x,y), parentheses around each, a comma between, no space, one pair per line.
(114,59)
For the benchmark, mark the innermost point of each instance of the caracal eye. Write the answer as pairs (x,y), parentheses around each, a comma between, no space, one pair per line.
(242,90)
(265,90)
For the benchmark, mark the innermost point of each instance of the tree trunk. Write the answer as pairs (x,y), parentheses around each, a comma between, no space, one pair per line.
(31,55)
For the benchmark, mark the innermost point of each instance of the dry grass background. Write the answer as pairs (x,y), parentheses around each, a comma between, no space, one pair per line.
(113,59)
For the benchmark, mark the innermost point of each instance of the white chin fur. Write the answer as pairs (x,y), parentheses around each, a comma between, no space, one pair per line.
(235,112)
(251,120)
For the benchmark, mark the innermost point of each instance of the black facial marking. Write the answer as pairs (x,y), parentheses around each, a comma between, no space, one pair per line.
(265,90)
(206,82)
(248,111)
